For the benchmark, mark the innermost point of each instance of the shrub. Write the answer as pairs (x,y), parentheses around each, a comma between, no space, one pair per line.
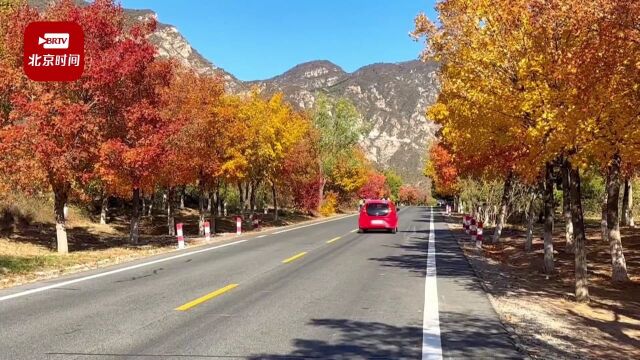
(329,204)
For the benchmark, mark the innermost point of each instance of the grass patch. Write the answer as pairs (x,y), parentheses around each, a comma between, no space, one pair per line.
(22,265)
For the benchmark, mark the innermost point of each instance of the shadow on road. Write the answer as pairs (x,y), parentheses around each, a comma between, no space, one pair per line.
(356,340)
(375,340)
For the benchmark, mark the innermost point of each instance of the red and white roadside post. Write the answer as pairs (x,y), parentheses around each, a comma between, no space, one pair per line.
(238,225)
(473,230)
(479,237)
(180,236)
(207,230)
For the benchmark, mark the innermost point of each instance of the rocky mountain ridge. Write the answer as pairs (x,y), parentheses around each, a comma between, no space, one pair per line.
(392,99)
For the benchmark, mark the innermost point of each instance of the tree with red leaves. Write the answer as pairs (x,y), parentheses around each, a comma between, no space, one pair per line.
(375,186)
(299,174)
(56,132)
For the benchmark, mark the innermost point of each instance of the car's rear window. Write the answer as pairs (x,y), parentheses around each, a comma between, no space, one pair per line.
(377,209)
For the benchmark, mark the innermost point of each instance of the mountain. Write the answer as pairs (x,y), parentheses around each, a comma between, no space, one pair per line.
(392,98)
(172,44)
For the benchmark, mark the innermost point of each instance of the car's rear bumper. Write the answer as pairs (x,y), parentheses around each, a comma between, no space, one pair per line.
(377,224)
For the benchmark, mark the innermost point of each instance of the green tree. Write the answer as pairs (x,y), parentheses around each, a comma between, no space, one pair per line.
(394,181)
(340,127)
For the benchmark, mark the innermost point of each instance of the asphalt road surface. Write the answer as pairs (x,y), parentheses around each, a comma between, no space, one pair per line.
(320,291)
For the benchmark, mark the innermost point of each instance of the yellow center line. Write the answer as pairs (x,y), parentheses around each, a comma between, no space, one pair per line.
(354,230)
(294,257)
(209,296)
(334,239)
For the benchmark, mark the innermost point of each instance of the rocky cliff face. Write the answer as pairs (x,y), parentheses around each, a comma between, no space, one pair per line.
(172,44)
(392,98)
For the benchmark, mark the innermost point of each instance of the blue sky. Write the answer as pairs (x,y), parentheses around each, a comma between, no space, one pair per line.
(258,39)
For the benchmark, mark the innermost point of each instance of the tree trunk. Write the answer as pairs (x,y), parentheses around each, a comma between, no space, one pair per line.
(144,203)
(504,202)
(241,198)
(247,197)
(275,201)
(548,219)
(619,265)
(182,198)
(171,220)
(104,209)
(61,195)
(201,204)
(531,215)
(210,202)
(626,220)
(219,202)
(323,182)
(577,218)
(631,222)
(252,197)
(487,214)
(603,216)
(134,235)
(150,213)
(566,207)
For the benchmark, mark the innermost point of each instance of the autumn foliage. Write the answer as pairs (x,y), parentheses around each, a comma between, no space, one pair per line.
(538,92)
(137,124)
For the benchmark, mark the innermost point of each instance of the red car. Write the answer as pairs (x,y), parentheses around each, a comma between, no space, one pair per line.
(378,215)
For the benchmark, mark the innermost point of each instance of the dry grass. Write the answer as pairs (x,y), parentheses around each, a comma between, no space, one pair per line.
(25,262)
(27,241)
(541,308)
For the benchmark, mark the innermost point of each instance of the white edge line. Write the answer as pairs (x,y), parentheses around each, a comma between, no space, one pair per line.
(431,342)
(95,276)
(316,223)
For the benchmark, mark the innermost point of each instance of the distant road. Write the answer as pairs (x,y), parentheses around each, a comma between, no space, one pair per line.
(319,291)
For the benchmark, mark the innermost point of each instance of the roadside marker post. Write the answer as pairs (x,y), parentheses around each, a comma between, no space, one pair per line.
(479,237)
(207,230)
(180,236)
(238,225)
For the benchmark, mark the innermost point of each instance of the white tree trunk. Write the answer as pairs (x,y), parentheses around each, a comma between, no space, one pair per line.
(618,263)
(60,204)
(104,210)
(506,192)
(548,220)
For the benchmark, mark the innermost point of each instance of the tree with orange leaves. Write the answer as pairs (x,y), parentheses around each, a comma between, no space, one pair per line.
(200,145)
(441,169)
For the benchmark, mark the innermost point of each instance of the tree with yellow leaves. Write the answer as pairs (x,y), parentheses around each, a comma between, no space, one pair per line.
(517,94)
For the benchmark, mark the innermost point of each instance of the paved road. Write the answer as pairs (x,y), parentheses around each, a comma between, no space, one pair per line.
(321,291)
